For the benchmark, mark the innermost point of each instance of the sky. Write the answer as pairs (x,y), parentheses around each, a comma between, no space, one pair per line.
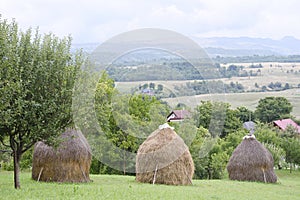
(91,21)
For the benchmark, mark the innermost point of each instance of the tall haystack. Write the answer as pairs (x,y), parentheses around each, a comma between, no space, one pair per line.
(251,161)
(69,162)
(164,158)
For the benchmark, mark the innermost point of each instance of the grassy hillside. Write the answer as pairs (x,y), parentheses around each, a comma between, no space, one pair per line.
(125,187)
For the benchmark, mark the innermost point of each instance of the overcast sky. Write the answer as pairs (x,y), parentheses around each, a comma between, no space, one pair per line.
(99,20)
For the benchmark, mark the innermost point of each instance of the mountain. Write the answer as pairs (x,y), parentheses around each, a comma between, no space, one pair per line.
(243,46)
(233,46)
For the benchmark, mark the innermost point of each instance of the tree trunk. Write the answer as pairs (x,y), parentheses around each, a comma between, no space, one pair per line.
(124,163)
(17,158)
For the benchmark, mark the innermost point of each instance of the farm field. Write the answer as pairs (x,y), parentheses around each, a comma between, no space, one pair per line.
(271,72)
(125,187)
(249,99)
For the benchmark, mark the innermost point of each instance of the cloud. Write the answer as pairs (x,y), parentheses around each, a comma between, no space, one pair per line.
(98,20)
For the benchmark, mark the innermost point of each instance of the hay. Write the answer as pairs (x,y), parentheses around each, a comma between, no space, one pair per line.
(70,162)
(164,158)
(251,161)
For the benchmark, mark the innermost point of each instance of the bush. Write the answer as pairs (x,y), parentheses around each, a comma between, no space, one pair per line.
(8,166)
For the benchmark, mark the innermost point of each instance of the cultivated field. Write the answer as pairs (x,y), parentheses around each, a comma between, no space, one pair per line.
(124,187)
(249,99)
(271,72)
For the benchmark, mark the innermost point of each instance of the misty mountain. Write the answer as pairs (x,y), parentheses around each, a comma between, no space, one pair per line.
(233,46)
(247,46)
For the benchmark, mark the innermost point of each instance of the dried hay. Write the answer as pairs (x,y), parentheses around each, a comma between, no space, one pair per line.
(164,158)
(70,162)
(251,161)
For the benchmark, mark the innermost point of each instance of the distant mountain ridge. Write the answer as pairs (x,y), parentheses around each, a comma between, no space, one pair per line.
(241,46)
(233,46)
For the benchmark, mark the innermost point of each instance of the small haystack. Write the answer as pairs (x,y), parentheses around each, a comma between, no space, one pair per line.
(251,161)
(164,158)
(70,162)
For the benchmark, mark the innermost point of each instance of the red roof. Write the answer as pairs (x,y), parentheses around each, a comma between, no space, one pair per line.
(283,123)
(178,115)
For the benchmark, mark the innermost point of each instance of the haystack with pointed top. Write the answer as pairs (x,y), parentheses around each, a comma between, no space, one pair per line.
(164,158)
(251,161)
(69,162)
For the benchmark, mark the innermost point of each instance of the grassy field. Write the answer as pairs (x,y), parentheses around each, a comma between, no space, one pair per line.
(125,187)
(271,72)
(249,99)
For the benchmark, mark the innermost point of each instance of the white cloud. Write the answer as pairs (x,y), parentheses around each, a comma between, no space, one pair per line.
(98,20)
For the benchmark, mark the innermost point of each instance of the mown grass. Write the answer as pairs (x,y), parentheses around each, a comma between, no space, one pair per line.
(125,187)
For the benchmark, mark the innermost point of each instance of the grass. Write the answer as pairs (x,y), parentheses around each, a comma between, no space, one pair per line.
(249,99)
(125,187)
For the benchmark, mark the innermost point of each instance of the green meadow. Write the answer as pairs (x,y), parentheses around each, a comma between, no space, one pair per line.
(125,187)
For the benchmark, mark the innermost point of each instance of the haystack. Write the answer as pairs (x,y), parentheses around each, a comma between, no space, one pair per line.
(251,161)
(69,162)
(164,158)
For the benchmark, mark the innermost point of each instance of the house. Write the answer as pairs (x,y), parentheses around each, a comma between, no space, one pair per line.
(178,115)
(147,92)
(284,123)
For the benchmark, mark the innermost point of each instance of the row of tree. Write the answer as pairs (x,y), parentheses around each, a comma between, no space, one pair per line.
(257,58)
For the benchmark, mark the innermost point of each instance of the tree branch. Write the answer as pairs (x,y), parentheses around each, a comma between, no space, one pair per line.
(28,147)
(13,143)
(5,151)
(4,144)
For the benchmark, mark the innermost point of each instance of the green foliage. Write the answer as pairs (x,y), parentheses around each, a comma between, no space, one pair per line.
(186,129)
(218,164)
(273,108)
(25,163)
(277,152)
(269,137)
(98,167)
(208,87)
(196,149)
(290,132)
(244,114)
(125,121)
(232,140)
(37,76)
(292,150)
(266,133)
(8,165)
(217,117)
